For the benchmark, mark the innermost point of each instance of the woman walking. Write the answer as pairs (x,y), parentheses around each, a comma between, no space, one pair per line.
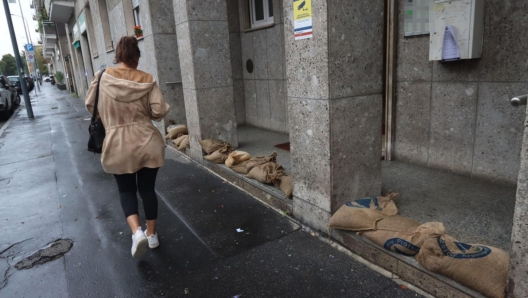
(133,149)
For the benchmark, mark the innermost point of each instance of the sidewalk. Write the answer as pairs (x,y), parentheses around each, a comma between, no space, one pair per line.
(51,187)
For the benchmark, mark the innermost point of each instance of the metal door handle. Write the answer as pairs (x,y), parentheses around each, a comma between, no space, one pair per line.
(519,100)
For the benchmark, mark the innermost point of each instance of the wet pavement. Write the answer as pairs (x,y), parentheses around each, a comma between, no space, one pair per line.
(52,188)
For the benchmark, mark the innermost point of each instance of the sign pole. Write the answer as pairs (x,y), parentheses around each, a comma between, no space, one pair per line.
(27,102)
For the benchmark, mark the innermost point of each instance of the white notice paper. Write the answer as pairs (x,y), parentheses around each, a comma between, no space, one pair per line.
(450,50)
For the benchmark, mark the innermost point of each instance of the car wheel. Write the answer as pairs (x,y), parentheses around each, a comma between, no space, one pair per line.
(17,100)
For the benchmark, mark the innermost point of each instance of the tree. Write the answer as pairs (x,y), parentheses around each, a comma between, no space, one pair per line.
(41,62)
(24,62)
(10,68)
(2,67)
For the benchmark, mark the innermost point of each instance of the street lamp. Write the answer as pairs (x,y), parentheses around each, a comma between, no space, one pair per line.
(25,27)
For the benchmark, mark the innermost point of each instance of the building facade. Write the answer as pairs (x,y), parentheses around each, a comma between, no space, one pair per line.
(359,88)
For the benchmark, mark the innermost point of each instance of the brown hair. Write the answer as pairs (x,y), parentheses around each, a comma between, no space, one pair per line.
(127,51)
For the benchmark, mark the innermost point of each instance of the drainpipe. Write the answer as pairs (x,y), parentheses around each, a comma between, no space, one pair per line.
(389,78)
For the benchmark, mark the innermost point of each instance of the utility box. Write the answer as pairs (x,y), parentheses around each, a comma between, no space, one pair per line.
(457,30)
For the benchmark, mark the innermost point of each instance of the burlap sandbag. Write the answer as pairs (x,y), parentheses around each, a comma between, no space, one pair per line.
(212,145)
(184,144)
(282,182)
(178,140)
(261,172)
(259,160)
(217,157)
(236,157)
(175,131)
(478,267)
(403,235)
(363,214)
(240,168)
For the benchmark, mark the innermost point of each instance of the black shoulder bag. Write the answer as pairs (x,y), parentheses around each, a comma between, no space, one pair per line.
(96,129)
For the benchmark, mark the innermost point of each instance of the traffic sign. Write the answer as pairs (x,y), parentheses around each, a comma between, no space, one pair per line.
(31,58)
(29,48)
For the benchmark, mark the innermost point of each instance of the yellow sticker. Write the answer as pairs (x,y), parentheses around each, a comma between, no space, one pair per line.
(439,7)
(302,9)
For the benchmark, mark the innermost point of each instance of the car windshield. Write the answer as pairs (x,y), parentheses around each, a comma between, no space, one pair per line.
(14,79)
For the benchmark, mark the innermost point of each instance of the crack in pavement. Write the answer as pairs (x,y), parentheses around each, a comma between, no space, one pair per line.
(11,246)
(53,251)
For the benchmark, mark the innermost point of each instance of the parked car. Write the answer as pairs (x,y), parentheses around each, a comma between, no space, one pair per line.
(6,101)
(15,80)
(46,79)
(6,84)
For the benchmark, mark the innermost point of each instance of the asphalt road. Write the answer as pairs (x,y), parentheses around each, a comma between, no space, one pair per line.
(51,188)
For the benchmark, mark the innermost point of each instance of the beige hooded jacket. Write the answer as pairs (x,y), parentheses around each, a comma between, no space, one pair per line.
(128,100)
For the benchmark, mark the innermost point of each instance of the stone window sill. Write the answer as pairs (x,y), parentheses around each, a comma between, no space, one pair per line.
(259,28)
(141,38)
(109,49)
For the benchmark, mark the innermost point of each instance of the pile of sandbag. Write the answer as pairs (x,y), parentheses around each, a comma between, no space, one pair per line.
(179,135)
(264,169)
(479,267)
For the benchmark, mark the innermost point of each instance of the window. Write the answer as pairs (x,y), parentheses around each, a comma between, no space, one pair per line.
(135,7)
(103,13)
(261,13)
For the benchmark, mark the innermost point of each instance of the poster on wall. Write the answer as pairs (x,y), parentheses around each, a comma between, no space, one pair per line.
(302,19)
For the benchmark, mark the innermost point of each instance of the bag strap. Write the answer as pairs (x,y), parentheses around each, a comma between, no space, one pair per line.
(97,96)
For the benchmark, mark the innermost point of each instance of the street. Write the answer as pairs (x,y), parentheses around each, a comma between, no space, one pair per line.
(52,188)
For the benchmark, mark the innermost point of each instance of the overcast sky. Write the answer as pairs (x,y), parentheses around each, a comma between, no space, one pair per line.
(5,40)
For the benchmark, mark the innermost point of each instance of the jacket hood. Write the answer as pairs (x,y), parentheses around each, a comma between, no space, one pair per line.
(125,90)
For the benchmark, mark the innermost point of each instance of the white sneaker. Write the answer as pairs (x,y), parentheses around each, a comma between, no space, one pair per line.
(152,240)
(139,243)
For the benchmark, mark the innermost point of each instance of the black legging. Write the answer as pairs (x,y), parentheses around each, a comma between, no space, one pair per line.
(146,180)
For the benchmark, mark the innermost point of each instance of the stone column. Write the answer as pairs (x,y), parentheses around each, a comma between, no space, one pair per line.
(203,45)
(518,276)
(335,84)
(159,48)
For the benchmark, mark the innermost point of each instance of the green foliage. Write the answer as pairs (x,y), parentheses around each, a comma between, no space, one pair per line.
(2,67)
(59,76)
(41,62)
(24,62)
(10,68)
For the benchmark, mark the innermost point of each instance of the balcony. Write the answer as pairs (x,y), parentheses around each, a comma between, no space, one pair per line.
(49,38)
(59,11)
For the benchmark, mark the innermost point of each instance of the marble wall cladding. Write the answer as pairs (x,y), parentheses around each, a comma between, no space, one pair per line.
(118,26)
(278,106)
(311,215)
(250,96)
(233,17)
(504,54)
(355,58)
(246,40)
(307,59)
(518,275)
(240,102)
(168,74)
(185,53)
(413,103)
(355,148)
(213,124)
(235,46)
(499,131)
(275,52)
(193,118)
(504,51)
(310,150)
(265,48)
(263,104)
(199,10)
(158,17)
(210,54)
(260,55)
(453,113)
